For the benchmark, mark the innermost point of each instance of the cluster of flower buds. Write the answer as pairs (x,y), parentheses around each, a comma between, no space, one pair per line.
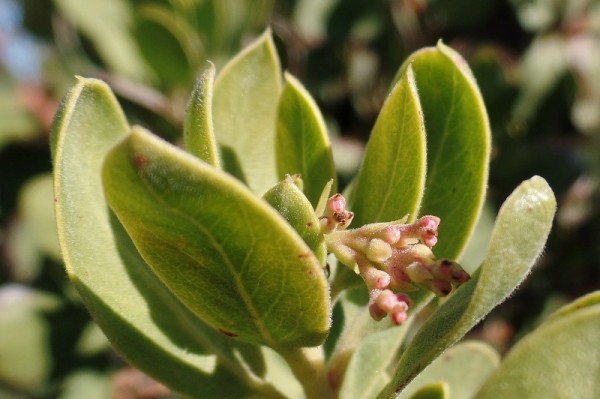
(392,258)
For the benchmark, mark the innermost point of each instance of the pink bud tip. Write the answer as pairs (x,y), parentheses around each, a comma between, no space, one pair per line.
(399,317)
(404,298)
(337,203)
(391,235)
(386,301)
(430,241)
(430,222)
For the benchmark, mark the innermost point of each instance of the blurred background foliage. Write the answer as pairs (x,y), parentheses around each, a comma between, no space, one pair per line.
(537,63)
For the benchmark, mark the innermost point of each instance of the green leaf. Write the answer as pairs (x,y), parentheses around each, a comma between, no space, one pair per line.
(25,351)
(198,132)
(107,24)
(519,235)
(244,110)
(458,144)
(226,254)
(368,370)
(292,204)
(301,142)
(435,390)
(36,205)
(464,368)
(86,384)
(590,299)
(144,321)
(391,180)
(560,359)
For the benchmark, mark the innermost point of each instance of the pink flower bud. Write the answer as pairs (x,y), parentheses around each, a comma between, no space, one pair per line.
(337,204)
(376,312)
(375,278)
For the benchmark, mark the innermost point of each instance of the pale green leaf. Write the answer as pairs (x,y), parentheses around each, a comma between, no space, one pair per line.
(519,235)
(464,368)
(107,24)
(245,100)
(87,384)
(36,205)
(301,142)
(458,144)
(435,390)
(292,204)
(590,299)
(560,359)
(144,321)
(368,370)
(391,180)
(198,132)
(25,352)
(226,254)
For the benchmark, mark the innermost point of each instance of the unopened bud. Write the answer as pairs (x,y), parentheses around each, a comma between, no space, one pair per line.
(418,273)
(378,251)
(375,278)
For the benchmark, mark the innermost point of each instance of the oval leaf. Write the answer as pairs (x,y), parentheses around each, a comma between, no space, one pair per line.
(390,182)
(226,254)
(107,24)
(464,367)
(519,235)
(144,321)
(198,132)
(458,144)
(292,204)
(244,110)
(590,299)
(301,143)
(557,360)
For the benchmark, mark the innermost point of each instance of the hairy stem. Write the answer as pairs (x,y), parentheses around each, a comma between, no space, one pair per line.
(308,366)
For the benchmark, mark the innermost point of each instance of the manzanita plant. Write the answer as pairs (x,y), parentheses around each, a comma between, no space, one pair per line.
(232,268)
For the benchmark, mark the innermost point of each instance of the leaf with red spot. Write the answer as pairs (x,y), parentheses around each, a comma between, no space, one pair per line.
(225,253)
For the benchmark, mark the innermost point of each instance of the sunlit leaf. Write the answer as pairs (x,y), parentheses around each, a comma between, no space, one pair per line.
(292,204)
(435,390)
(244,110)
(302,145)
(368,369)
(464,368)
(560,359)
(458,144)
(226,254)
(391,180)
(519,235)
(198,131)
(144,321)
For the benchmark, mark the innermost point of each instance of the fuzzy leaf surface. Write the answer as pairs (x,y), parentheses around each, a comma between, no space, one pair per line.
(458,144)
(464,367)
(198,131)
(226,254)
(519,235)
(392,177)
(245,100)
(142,318)
(559,359)
(291,203)
(368,369)
(302,145)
